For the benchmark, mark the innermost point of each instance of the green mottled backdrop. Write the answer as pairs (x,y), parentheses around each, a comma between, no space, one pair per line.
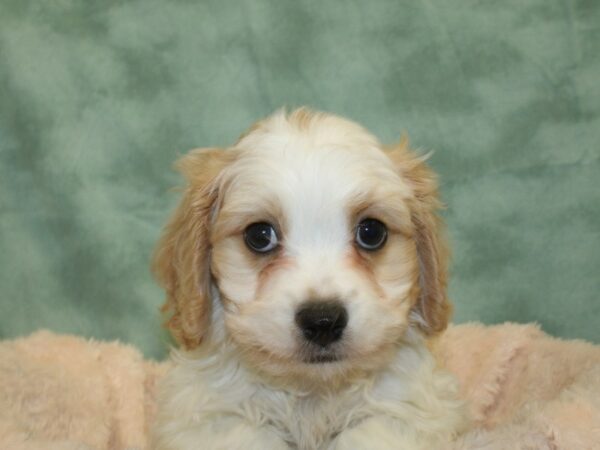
(97,98)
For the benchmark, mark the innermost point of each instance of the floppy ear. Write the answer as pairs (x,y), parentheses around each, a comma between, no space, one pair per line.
(181,260)
(432,307)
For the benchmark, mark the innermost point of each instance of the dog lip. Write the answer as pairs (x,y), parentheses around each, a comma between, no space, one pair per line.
(322,358)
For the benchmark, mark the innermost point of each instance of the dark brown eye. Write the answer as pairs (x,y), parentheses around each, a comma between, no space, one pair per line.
(261,237)
(371,234)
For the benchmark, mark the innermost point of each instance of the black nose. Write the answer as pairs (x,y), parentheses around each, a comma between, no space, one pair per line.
(322,322)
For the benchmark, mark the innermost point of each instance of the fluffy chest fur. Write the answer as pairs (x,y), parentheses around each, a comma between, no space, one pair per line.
(214,391)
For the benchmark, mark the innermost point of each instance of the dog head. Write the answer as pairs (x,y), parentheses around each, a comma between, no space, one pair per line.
(319,247)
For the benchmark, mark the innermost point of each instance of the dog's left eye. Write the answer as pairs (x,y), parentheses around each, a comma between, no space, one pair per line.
(261,237)
(371,234)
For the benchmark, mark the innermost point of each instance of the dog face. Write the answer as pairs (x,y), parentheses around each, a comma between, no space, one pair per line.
(322,247)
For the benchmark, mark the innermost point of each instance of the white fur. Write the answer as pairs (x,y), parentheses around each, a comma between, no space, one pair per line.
(245,386)
(210,401)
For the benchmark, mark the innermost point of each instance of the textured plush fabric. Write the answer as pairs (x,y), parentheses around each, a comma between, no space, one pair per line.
(524,391)
(98,98)
(60,392)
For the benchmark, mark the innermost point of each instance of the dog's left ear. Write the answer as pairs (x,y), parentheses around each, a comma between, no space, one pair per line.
(182,258)
(432,307)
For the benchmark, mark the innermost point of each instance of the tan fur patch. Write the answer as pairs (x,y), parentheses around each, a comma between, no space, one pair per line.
(180,260)
(433,305)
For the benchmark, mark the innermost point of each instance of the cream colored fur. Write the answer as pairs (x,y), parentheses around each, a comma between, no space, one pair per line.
(243,379)
(210,397)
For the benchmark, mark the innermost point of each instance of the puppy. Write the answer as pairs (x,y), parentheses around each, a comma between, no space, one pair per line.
(305,271)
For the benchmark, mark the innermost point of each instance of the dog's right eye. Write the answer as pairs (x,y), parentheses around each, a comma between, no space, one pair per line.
(261,237)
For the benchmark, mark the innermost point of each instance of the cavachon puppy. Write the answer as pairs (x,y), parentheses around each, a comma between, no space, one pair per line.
(305,271)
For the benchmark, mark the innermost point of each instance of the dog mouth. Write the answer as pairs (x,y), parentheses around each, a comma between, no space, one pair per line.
(321,357)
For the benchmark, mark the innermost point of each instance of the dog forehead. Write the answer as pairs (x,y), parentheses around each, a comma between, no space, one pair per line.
(300,170)
(316,175)
(305,127)
(305,150)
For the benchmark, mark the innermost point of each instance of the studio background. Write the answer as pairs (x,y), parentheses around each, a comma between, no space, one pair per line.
(97,99)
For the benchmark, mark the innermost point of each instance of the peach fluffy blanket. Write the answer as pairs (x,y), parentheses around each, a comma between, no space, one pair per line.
(525,390)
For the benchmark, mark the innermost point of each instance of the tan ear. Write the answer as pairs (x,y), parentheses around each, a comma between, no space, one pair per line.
(181,260)
(432,307)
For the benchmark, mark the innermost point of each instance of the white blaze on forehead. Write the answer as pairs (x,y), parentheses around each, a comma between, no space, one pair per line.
(313,173)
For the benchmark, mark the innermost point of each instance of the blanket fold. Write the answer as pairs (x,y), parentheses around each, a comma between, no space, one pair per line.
(63,392)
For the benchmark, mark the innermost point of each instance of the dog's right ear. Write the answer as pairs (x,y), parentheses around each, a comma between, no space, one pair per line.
(181,261)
